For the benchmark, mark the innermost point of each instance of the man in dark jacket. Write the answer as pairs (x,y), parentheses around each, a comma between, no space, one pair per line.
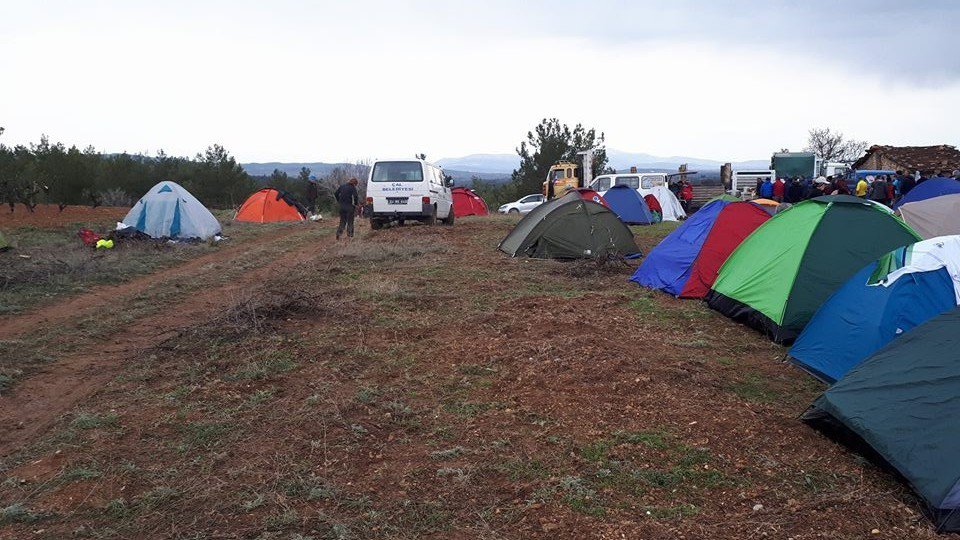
(878,190)
(313,192)
(906,183)
(348,199)
(795,191)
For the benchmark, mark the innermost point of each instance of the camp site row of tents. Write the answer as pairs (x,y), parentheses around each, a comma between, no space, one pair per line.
(867,298)
(168,210)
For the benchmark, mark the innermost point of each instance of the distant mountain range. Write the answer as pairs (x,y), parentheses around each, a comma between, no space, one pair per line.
(497,167)
(618,159)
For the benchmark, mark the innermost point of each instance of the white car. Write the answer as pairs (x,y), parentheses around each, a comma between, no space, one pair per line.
(399,190)
(522,206)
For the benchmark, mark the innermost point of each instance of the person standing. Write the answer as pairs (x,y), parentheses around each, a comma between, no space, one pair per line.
(907,182)
(686,193)
(779,190)
(878,190)
(348,199)
(795,192)
(766,189)
(313,192)
(862,186)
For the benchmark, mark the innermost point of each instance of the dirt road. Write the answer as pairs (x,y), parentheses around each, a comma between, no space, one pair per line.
(419,384)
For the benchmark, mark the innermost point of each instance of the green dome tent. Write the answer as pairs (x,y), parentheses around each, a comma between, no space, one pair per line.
(569,228)
(778,277)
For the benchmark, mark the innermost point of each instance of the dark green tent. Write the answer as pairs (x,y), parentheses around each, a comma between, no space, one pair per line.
(4,245)
(901,405)
(569,228)
(778,277)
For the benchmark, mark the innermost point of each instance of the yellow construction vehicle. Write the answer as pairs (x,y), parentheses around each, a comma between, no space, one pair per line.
(566,175)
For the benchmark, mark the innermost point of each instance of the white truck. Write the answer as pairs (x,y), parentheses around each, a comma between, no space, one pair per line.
(744,183)
(412,189)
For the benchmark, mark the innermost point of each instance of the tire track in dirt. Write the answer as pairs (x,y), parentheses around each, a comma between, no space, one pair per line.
(100,296)
(40,400)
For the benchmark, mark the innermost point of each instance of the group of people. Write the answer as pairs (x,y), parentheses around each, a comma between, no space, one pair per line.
(884,189)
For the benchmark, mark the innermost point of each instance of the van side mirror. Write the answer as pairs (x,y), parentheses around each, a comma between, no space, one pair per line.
(449,181)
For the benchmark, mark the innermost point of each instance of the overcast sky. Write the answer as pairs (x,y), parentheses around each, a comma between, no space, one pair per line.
(330,81)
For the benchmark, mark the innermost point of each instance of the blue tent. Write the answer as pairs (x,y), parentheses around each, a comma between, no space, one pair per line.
(903,289)
(929,189)
(668,265)
(170,211)
(628,205)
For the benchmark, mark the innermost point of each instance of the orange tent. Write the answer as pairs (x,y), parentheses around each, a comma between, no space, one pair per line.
(269,205)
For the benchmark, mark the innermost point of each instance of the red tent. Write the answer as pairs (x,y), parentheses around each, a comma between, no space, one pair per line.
(653,204)
(588,194)
(269,205)
(467,203)
(734,223)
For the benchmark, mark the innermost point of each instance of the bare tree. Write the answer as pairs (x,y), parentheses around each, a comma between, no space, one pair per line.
(831,145)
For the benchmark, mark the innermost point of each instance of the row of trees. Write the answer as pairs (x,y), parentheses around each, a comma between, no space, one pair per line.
(52,173)
(549,142)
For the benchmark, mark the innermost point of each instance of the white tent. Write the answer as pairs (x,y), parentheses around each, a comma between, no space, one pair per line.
(937,216)
(169,211)
(672,210)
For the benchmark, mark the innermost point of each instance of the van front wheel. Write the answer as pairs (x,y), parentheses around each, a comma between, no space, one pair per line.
(450,218)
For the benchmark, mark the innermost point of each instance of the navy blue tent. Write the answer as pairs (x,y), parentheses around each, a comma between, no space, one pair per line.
(900,291)
(900,407)
(628,205)
(669,264)
(929,189)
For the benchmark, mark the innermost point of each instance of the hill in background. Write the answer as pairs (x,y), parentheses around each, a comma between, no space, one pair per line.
(497,167)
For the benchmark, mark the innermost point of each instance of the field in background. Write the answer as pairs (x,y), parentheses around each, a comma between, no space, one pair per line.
(412,383)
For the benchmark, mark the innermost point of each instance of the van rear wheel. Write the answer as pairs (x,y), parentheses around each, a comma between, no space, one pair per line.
(450,218)
(432,218)
(376,224)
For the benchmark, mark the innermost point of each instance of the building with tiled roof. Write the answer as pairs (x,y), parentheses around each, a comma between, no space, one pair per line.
(929,160)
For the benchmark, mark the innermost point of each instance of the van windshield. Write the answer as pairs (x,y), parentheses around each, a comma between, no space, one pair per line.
(397,171)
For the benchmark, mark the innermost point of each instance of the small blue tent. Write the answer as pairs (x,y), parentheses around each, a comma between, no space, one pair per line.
(170,211)
(628,205)
(669,264)
(902,290)
(929,189)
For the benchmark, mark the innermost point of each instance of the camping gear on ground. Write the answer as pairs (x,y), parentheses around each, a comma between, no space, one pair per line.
(654,205)
(783,272)
(628,205)
(270,205)
(104,243)
(936,216)
(671,209)
(88,237)
(170,211)
(685,263)
(569,228)
(934,187)
(900,407)
(905,288)
(467,203)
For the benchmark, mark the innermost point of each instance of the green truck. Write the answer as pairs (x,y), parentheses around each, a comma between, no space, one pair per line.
(794,164)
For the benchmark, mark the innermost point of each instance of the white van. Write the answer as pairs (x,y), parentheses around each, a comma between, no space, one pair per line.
(639,181)
(411,189)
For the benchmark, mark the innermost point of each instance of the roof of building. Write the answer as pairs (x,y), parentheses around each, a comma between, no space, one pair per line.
(922,158)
